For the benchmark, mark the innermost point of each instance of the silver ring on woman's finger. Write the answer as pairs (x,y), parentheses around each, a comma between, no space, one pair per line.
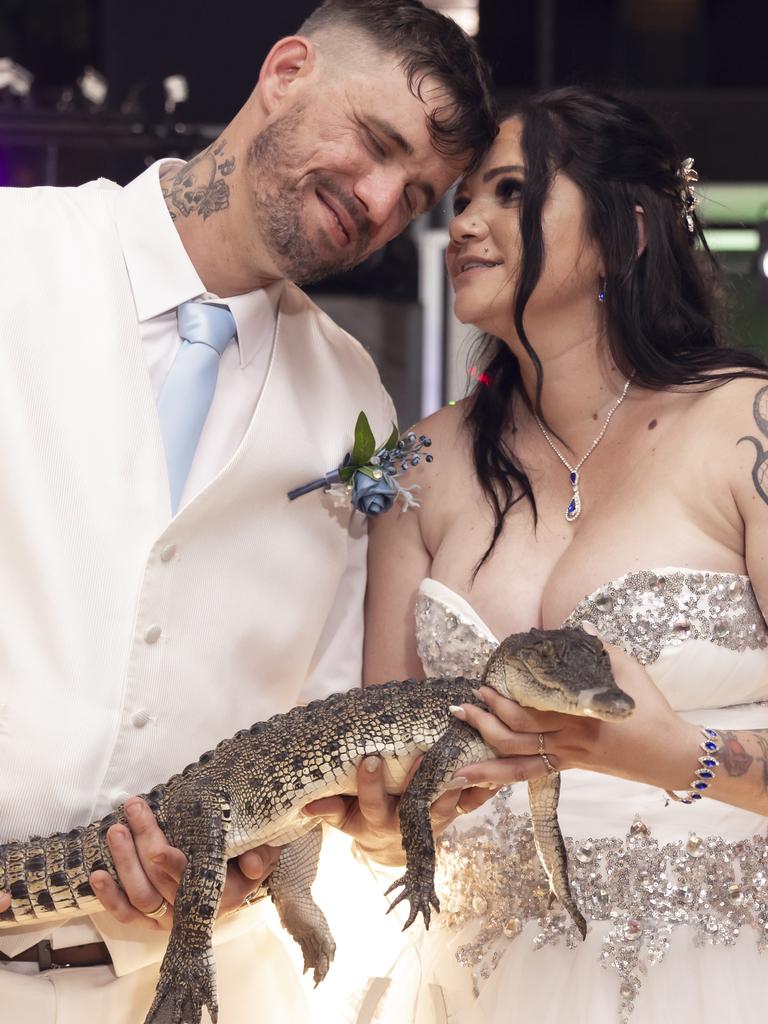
(161,911)
(543,755)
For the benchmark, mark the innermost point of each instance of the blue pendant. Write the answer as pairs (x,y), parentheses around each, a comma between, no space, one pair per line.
(574,505)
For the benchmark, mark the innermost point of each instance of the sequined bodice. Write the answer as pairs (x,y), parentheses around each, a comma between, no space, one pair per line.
(670,620)
(634,863)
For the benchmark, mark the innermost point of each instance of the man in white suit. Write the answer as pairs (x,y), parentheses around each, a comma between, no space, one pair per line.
(151,611)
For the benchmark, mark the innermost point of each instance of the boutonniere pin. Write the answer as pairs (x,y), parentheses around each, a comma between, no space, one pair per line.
(368,478)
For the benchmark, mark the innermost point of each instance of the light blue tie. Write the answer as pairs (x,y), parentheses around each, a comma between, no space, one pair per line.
(187,391)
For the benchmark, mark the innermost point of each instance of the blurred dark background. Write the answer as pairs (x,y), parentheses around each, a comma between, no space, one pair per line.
(699,65)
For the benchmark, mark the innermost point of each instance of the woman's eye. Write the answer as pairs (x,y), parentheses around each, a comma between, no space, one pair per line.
(459,205)
(509,188)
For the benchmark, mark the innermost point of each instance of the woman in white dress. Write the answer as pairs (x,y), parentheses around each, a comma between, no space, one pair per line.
(609,469)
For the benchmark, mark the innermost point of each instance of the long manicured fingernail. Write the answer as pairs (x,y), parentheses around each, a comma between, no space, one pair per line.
(134,809)
(371,764)
(589,627)
(98,883)
(458,712)
(457,782)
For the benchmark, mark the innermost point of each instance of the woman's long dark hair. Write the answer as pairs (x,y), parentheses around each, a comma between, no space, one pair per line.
(660,307)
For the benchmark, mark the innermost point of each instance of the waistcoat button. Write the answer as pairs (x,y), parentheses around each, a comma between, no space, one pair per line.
(153,634)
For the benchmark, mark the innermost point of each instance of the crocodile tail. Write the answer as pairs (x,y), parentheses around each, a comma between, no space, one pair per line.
(6,915)
(15,883)
(85,852)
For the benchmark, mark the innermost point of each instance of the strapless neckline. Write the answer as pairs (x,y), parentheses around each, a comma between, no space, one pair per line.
(700,633)
(429,584)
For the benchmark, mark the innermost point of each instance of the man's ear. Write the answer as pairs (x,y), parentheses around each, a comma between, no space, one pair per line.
(640,224)
(290,60)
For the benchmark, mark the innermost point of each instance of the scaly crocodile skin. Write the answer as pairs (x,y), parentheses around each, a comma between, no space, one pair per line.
(251,790)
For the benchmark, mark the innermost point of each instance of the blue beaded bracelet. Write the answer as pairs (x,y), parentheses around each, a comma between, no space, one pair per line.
(704,775)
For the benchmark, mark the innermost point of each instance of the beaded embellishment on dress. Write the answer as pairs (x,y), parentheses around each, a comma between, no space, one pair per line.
(447,643)
(647,611)
(645,889)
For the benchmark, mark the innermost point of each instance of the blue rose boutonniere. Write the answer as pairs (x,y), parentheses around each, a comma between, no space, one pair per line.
(367,479)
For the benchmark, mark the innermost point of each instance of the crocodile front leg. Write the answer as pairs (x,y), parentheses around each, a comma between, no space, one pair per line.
(188,972)
(543,795)
(290,886)
(458,745)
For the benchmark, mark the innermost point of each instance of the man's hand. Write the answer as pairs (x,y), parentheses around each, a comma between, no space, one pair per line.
(150,870)
(372,818)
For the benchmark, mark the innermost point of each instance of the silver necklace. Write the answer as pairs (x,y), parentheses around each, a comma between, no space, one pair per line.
(574,505)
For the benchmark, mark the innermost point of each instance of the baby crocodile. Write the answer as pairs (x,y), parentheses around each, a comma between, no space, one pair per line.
(251,790)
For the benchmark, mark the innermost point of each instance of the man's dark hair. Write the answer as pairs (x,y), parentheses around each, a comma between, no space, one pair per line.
(429,45)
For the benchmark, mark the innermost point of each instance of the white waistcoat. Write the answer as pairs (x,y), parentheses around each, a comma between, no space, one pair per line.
(94,705)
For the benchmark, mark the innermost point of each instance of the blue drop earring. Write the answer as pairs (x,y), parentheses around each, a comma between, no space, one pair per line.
(601,293)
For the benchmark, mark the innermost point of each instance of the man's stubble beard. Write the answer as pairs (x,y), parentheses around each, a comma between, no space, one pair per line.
(279,200)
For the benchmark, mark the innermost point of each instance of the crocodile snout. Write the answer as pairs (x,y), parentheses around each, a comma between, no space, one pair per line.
(607,704)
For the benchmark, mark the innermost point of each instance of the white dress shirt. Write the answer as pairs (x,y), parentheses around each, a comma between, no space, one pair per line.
(162,277)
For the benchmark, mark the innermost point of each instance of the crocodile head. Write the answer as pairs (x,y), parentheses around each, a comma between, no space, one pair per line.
(558,670)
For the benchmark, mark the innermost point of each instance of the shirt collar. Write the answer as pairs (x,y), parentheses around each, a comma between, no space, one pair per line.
(161,273)
(163,276)
(255,314)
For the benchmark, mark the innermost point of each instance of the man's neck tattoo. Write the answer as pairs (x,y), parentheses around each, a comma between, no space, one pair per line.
(200,186)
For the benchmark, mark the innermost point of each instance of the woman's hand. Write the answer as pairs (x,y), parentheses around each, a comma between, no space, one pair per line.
(653,745)
(150,870)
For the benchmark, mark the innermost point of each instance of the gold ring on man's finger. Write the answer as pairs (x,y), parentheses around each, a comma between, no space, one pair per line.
(161,911)
(256,896)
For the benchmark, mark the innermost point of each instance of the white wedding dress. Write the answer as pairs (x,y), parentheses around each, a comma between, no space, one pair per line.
(675,896)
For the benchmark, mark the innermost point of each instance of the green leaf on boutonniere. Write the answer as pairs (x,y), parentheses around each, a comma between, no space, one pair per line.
(394,437)
(370,471)
(365,442)
(347,473)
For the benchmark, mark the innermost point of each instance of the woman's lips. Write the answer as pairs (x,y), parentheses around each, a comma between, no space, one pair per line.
(467,268)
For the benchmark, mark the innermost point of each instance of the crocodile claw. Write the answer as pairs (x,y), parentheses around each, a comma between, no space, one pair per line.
(420,894)
(182,992)
(318,951)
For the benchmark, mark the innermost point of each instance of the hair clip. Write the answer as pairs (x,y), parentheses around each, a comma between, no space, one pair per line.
(688,176)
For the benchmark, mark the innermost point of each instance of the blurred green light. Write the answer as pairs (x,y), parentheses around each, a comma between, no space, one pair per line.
(732,239)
